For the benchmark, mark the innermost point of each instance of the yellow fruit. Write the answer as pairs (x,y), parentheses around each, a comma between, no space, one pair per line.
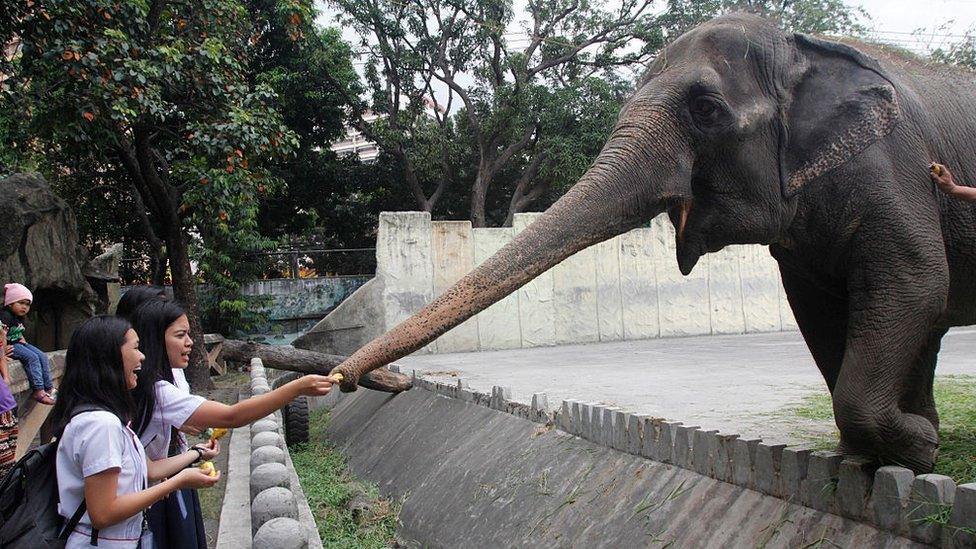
(217,433)
(208,468)
(338,377)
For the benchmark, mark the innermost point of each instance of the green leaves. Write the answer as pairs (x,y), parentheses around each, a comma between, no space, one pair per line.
(162,105)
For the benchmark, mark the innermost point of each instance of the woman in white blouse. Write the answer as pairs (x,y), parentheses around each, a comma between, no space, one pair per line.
(100,461)
(163,410)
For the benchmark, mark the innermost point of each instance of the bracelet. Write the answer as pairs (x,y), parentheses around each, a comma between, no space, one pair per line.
(199,454)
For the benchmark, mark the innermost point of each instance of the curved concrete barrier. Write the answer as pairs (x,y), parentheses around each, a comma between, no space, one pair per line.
(264,505)
(480,469)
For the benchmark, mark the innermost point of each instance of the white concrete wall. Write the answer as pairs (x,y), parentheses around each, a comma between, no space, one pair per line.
(404,265)
(452,254)
(626,288)
(499,326)
(537,311)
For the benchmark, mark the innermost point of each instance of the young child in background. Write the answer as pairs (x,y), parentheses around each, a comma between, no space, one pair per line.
(16,304)
(8,412)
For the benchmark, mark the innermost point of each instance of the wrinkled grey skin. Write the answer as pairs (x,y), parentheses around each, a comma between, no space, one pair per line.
(746,134)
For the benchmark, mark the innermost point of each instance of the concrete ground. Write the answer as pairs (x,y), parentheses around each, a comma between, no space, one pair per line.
(737,384)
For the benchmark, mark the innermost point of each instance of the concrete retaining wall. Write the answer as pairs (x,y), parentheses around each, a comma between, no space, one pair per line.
(485,470)
(628,287)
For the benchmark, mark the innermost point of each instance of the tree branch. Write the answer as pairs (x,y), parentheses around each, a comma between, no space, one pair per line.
(506,154)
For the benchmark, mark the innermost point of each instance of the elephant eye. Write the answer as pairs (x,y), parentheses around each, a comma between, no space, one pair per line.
(708,112)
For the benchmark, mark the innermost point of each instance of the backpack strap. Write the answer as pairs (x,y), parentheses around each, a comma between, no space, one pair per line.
(83,506)
(73,521)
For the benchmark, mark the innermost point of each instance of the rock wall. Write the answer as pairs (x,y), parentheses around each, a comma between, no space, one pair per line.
(626,288)
(39,248)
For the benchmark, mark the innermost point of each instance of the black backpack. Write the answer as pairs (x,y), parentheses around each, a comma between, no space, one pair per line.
(29,501)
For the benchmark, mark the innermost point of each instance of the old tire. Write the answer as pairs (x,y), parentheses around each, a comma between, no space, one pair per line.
(296,421)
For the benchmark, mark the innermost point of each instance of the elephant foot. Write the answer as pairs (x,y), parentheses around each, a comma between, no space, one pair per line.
(913,445)
(919,452)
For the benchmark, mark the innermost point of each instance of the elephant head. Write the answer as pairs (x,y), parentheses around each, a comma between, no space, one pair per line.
(728,126)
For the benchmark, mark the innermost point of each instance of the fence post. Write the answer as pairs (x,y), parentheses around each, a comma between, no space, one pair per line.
(294,264)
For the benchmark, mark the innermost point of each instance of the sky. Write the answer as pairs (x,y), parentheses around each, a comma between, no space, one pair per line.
(894,20)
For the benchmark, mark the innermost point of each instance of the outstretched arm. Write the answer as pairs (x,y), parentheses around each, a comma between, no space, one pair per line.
(215,414)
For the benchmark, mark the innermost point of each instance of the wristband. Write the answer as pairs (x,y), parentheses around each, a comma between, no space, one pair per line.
(199,454)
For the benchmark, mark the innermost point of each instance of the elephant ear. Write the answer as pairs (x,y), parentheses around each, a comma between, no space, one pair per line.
(840,102)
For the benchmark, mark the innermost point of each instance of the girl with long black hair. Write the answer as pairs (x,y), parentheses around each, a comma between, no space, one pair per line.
(162,409)
(100,460)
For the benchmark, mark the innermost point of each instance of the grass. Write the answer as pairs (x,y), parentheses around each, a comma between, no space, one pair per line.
(328,485)
(955,398)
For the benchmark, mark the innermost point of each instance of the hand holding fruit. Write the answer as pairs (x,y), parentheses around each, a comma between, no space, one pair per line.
(215,433)
(208,451)
(194,477)
(209,468)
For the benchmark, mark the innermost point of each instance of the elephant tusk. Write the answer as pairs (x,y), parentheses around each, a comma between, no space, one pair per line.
(683,219)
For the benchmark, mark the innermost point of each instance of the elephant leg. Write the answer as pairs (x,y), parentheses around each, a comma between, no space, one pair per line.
(821,315)
(894,310)
(918,397)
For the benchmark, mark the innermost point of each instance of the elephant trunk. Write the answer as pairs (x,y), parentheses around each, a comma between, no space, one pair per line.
(627,185)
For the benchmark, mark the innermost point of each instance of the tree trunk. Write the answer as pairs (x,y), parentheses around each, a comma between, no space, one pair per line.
(184,290)
(158,264)
(527,190)
(309,362)
(479,193)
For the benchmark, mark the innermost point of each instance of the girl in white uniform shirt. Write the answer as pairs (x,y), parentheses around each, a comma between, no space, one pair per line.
(163,409)
(131,300)
(99,458)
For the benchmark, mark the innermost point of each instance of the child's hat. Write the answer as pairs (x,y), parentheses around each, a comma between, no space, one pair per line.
(14,292)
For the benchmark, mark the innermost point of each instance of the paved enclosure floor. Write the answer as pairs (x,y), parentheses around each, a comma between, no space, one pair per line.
(737,384)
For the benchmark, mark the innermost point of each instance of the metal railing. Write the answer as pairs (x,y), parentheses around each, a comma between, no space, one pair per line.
(282,263)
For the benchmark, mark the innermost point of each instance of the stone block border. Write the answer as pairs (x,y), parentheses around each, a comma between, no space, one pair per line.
(928,508)
(277,512)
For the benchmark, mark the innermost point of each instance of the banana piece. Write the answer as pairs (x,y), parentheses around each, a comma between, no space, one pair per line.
(208,468)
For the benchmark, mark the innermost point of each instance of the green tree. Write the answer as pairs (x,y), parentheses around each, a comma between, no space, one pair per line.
(418,46)
(526,100)
(961,52)
(812,16)
(158,92)
(327,199)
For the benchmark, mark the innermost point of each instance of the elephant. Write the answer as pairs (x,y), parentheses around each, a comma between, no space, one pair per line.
(746,134)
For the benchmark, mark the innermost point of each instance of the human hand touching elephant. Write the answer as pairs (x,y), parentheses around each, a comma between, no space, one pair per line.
(942,177)
(944,180)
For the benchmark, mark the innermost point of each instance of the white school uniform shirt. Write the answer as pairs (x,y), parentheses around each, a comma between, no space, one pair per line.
(94,442)
(173,407)
(179,379)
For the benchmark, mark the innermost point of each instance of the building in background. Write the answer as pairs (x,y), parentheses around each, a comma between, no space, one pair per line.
(356,143)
